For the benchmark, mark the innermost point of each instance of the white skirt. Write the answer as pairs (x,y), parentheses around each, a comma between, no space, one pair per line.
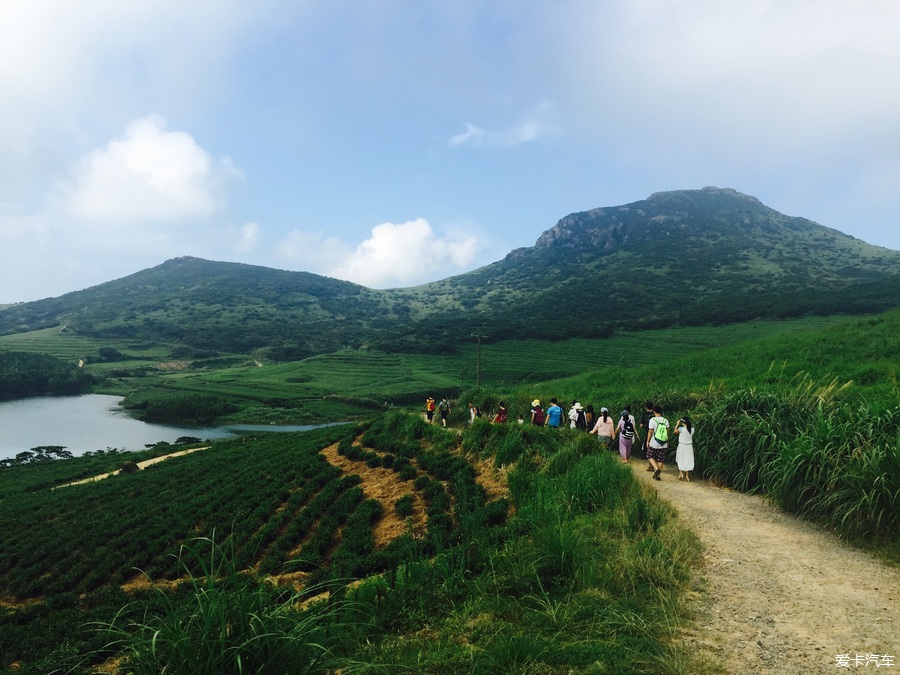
(684,456)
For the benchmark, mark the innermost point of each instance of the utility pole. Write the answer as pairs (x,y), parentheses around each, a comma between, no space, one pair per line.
(478,365)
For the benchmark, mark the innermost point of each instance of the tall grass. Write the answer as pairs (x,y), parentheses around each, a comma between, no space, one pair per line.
(224,622)
(815,454)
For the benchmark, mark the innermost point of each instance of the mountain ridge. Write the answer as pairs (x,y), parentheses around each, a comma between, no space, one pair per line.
(685,257)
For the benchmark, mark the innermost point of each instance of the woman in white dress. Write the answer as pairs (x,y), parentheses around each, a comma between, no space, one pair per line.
(684,454)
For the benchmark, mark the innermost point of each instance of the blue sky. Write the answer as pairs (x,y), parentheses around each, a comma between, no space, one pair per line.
(393,142)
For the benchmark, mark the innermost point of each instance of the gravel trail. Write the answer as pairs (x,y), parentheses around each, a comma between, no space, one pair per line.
(778,595)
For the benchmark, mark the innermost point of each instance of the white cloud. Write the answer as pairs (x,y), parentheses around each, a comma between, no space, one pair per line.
(396,254)
(404,254)
(70,70)
(249,237)
(20,229)
(148,175)
(536,124)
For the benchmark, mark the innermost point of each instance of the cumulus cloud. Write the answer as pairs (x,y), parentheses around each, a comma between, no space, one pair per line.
(396,254)
(536,124)
(69,71)
(148,175)
(405,253)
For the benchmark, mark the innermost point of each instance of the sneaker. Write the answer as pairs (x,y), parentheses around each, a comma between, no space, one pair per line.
(649,468)
(656,475)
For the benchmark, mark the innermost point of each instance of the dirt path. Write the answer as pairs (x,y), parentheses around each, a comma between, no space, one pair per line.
(777,595)
(140,465)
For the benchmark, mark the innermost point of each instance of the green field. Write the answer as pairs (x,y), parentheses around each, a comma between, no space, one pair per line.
(351,384)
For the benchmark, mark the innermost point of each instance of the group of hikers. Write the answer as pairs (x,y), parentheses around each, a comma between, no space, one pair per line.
(653,432)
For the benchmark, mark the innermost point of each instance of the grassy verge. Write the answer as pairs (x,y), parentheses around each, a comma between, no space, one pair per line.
(809,420)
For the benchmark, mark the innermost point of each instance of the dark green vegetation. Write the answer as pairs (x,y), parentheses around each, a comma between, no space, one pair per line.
(586,572)
(45,472)
(701,257)
(24,374)
(693,257)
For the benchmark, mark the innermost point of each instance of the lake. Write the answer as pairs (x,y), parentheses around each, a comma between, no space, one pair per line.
(95,422)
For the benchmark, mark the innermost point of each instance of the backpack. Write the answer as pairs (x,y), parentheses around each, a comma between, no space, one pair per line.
(477,411)
(538,415)
(661,433)
(628,428)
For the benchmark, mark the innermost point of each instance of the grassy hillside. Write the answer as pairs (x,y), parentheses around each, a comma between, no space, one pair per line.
(584,571)
(861,352)
(202,307)
(809,419)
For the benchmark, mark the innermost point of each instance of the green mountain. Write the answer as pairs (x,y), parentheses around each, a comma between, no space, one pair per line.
(693,257)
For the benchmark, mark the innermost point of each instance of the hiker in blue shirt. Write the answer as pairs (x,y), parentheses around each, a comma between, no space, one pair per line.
(554,414)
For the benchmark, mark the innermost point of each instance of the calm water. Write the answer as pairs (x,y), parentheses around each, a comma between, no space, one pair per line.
(94,422)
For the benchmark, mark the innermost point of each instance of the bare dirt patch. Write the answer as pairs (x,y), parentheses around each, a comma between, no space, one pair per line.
(492,479)
(141,582)
(776,594)
(387,487)
(11,602)
(172,365)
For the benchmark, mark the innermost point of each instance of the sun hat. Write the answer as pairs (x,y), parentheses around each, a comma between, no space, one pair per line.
(577,406)
(535,402)
(604,409)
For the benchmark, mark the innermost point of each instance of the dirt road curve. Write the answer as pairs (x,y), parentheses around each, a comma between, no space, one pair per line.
(778,595)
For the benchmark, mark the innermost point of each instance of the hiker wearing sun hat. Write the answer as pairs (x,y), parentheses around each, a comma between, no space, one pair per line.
(574,411)
(537,413)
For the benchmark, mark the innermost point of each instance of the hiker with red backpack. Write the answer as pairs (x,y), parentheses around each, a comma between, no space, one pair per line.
(537,413)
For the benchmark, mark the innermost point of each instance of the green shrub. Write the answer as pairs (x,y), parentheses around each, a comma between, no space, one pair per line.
(404,506)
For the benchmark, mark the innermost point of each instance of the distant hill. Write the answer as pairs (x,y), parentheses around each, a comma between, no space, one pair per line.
(691,257)
(202,307)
